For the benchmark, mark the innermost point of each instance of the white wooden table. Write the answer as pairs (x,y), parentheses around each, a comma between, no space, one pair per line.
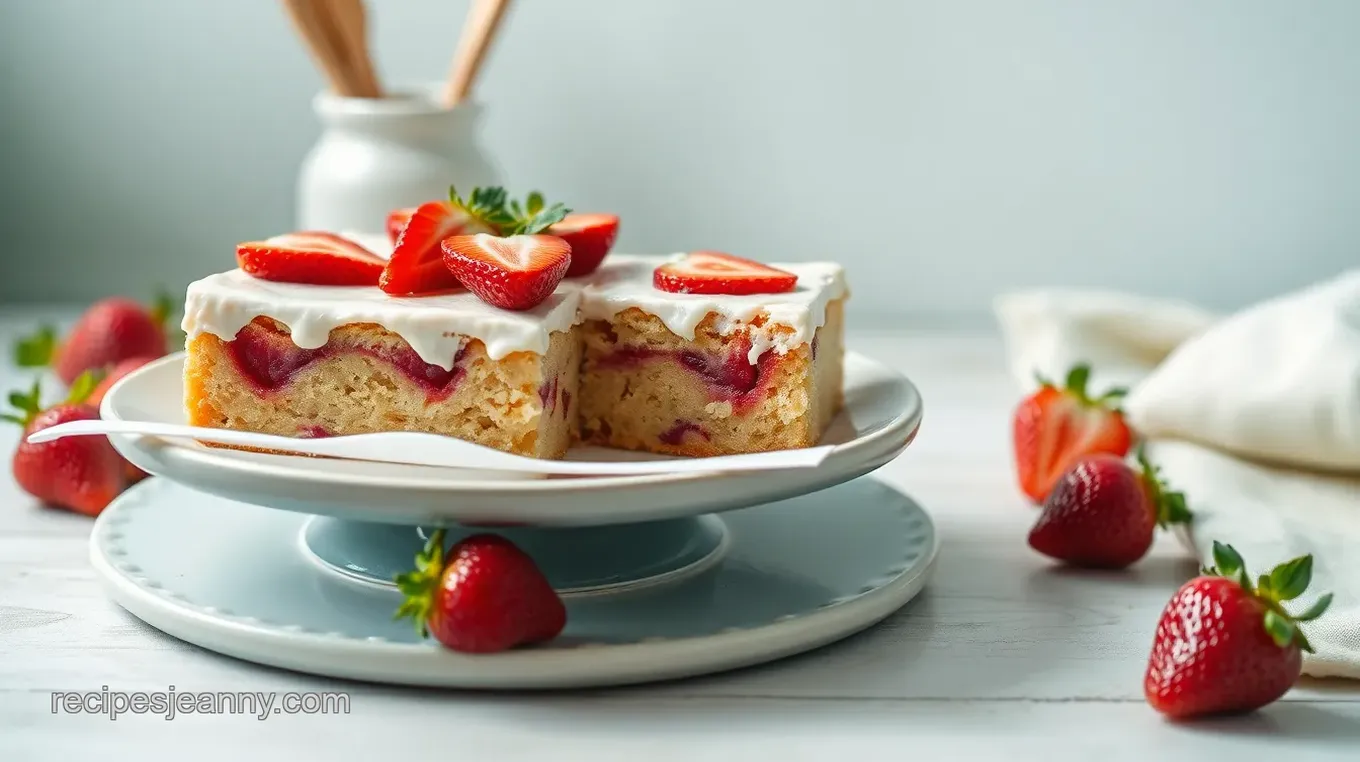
(1003,657)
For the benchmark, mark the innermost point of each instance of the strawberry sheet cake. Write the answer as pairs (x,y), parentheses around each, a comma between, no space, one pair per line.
(506,324)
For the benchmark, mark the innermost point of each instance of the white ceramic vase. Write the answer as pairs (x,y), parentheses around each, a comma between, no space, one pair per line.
(376,155)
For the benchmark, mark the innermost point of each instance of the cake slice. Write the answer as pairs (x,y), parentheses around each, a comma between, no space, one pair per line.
(703,374)
(306,360)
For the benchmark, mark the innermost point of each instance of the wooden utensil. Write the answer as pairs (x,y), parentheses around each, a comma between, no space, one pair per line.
(483,19)
(310,18)
(351,25)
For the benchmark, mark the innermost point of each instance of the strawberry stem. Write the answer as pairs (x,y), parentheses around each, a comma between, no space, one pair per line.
(1285,582)
(419,587)
(493,209)
(29,403)
(1170,506)
(36,351)
(1078,377)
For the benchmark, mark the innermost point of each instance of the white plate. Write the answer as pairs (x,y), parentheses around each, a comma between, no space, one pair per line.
(882,414)
(793,575)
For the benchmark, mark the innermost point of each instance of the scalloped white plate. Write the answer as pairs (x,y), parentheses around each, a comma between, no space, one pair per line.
(882,414)
(794,575)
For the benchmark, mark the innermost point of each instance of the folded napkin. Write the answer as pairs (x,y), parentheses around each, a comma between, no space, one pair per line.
(1254,416)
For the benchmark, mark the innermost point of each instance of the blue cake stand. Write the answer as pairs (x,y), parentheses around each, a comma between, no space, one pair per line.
(645,602)
(288,561)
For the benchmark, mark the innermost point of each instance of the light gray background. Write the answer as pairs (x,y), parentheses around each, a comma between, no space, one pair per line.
(943,149)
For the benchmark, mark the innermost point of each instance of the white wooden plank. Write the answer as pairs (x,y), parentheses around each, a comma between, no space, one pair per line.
(424,725)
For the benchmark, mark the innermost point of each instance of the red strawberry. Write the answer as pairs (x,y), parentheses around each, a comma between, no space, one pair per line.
(114,376)
(396,222)
(590,237)
(311,257)
(133,473)
(711,272)
(1054,427)
(1103,514)
(110,331)
(488,596)
(416,265)
(1223,646)
(515,273)
(83,474)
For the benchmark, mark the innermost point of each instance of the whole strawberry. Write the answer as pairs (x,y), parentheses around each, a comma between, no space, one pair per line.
(115,374)
(1103,514)
(1223,646)
(82,474)
(1054,426)
(110,331)
(487,596)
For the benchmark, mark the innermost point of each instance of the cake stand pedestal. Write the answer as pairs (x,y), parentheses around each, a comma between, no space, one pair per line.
(576,561)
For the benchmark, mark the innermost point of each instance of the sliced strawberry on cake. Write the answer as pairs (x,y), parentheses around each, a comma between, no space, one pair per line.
(316,258)
(396,222)
(415,266)
(590,236)
(712,272)
(515,273)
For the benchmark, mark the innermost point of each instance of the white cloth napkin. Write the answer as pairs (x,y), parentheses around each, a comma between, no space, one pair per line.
(1254,416)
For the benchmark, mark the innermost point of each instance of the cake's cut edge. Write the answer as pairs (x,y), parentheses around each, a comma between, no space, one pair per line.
(646,388)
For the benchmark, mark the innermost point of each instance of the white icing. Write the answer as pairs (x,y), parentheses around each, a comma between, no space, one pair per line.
(434,326)
(625,281)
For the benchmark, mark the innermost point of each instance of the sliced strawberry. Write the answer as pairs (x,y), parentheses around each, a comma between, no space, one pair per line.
(590,236)
(313,257)
(711,272)
(1054,427)
(396,222)
(515,273)
(416,265)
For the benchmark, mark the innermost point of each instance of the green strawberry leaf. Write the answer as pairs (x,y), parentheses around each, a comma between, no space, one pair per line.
(1077,378)
(1302,641)
(544,219)
(419,587)
(494,210)
(1290,579)
(36,351)
(1264,589)
(1228,563)
(1316,610)
(83,386)
(1280,629)
(1114,394)
(161,307)
(29,404)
